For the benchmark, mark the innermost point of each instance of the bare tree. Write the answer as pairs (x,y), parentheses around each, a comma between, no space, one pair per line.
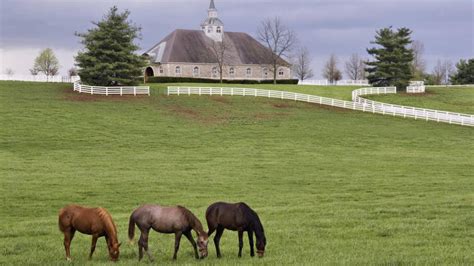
(442,71)
(355,67)
(72,72)
(34,71)
(279,40)
(9,72)
(331,72)
(418,65)
(47,63)
(219,50)
(302,64)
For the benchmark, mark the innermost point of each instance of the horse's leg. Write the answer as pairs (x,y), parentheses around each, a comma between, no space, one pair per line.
(212,228)
(217,239)
(94,242)
(177,239)
(241,242)
(143,244)
(252,252)
(189,236)
(68,236)
(140,247)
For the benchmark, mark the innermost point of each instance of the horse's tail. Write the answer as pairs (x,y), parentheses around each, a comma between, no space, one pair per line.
(131,229)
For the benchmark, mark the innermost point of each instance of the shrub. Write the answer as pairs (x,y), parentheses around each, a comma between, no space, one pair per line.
(202,80)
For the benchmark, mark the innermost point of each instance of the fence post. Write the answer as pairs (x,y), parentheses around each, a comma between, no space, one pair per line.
(121,91)
(135,91)
(106,91)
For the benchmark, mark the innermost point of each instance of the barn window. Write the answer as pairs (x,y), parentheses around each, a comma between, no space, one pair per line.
(281,72)
(209,29)
(265,73)
(249,72)
(161,70)
(178,70)
(232,72)
(196,71)
(218,30)
(214,72)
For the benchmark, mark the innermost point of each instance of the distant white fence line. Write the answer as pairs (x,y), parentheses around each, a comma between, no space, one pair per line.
(40,78)
(416,87)
(99,90)
(358,103)
(325,82)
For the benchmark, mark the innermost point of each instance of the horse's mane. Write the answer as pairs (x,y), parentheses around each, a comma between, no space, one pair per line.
(192,219)
(252,216)
(107,220)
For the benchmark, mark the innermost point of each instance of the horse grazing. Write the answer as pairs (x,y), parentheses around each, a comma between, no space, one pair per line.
(167,220)
(236,217)
(90,221)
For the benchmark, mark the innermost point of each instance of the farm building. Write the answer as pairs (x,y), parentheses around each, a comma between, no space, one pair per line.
(193,54)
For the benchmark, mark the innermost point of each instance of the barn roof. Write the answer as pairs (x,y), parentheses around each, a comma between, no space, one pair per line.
(193,46)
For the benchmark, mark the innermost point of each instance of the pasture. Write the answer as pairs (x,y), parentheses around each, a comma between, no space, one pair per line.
(331,186)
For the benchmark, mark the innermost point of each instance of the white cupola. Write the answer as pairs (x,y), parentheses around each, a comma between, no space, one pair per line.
(213,26)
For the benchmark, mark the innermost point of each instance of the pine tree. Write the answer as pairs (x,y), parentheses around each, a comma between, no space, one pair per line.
(464,73)
(108,57)
(392,65)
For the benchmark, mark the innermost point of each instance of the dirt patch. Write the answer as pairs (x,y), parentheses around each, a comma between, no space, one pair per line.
(70,95)
(329,108)
(196,116)
(282,105)
(220,99)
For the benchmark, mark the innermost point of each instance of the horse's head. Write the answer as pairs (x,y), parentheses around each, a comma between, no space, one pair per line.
(114,251)
(202,242)
(261,243)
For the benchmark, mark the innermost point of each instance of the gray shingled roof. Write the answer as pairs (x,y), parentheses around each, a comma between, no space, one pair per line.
(212,5)
(212,22)
(193,46)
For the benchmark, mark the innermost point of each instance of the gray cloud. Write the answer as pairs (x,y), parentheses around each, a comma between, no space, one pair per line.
(342,27)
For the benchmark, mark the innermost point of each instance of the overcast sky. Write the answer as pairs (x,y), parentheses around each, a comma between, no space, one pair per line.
(342,27)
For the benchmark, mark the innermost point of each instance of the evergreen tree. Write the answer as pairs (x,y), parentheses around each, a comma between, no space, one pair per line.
(108,57)
(392,65)
(465,72)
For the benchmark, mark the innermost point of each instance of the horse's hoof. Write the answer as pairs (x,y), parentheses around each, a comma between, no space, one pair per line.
(68,259)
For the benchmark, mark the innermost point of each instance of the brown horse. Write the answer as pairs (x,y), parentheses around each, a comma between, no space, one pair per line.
(236,217)
(90,221)
(167,220)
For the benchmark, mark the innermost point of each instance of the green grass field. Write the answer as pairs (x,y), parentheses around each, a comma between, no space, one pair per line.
(331,186)
(459,100)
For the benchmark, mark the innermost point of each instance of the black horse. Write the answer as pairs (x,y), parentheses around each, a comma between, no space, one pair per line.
(236,217)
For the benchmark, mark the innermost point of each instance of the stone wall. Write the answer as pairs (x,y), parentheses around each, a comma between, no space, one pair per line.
(206,71)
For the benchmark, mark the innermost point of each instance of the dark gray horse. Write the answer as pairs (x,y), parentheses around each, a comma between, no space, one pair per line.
(236,217)
(167,220)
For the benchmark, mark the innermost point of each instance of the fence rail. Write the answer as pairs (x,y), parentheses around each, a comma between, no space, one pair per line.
(40,78)
(142,90)
(358,103)
(325,82)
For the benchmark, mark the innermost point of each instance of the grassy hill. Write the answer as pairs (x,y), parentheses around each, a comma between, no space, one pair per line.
(331,186)
(456,99)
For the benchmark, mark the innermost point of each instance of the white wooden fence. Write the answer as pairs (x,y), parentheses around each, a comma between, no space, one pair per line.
(325,82)
(40,78)
(358,103)
(141,90)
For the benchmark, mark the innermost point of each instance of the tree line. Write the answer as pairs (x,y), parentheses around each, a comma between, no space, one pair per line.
(109,57)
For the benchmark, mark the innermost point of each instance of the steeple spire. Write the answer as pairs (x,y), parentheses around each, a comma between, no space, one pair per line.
(213,26)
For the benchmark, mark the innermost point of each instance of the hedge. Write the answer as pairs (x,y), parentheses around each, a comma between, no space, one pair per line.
(201,80)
